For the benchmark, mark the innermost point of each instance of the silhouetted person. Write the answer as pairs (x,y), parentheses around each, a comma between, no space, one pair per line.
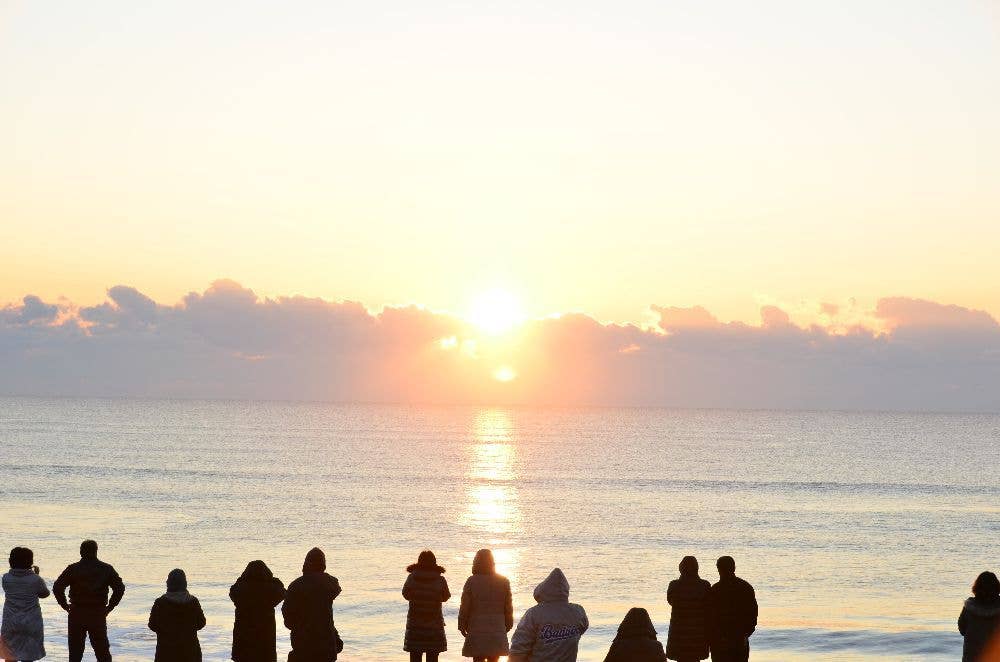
(89,581)
(733,614)
(687,638)
(255,594)
(487,611)
(636,640)
(979,622)
(308,612)
(176,618)
(551,630)
(22,633)
(425,589)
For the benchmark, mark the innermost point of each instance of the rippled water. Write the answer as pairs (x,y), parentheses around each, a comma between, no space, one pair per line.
(860,531)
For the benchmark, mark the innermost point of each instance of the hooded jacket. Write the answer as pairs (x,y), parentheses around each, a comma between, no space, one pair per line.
(23,631)
(551,630)
(636,640)
(176,618)
(308,612)
(425,589)
(979,622)
(687,637)
(89,581)
(486,613)
(255,595)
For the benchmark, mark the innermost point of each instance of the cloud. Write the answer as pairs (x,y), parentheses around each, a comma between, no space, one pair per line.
(226,342)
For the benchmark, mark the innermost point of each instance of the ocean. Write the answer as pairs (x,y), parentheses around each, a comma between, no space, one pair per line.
(861,532)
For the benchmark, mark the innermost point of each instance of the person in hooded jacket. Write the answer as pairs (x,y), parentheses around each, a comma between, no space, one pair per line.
(89,581)
(486,614)
(176,618)
(255,594)
(687,637)
(22,633)
(308,612)
(425,589)
(551,630)
(979,622)
(636,640)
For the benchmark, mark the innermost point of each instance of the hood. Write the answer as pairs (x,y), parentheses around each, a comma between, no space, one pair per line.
(257,571)
(176,581)
(553,588)
(315,561)
(177,597)
(985,609)
(636,623)
(417,569)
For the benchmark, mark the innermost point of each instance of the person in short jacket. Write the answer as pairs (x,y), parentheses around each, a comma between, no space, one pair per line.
(255,595)
(425,589)
(979,622)
(308,612)
(486,614)
(89,581)
(733,614)
(687,637)
(176,617)
(636,640)
(22,632)
(551,630)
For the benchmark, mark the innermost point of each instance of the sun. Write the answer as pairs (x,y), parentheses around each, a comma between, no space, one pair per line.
(504,374)
(496,312)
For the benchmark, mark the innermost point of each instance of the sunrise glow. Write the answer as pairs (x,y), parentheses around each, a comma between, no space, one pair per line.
(504,374)
(496,312)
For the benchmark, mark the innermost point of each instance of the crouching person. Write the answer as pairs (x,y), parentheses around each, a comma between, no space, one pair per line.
(551,630)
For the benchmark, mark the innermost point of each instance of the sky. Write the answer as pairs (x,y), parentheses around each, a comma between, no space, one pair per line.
(600,159)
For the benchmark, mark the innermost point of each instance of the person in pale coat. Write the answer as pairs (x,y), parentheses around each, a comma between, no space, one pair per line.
(979,622)
(22,633)
(551,630)
(486,614)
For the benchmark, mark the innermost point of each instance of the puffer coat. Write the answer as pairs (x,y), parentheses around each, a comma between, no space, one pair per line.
(255,595)
(636,640)
(425,589)
(687,637)
(979,623)
(486,614)
(22,632)
(176,618)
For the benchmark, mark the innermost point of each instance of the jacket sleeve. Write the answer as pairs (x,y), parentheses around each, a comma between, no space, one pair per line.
(445,593)
(279,592)
(670,594)
(117,589)
(584,621)
(962,622)
(752,611)
(43,590)
(59,588)
(336,587)
(154,617)
(523,640)
(408,587)
(289,611)
(199,615)
(465,608)
(508,608)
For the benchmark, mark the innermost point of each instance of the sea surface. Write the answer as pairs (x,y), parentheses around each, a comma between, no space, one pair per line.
(861,532)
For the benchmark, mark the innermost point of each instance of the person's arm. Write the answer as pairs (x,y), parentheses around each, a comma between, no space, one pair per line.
(670,594)
(117,590)
(508,608)
(752,612)
(445,593)
(336,587)
(523,640)
(43,590)
(962,622)
(154,617)
(199,616)
(584,621)
(465,609)
(59,588)
(408,588)
(289,611)
(279,592)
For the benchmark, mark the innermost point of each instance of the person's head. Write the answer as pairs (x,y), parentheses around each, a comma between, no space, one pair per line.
(986,587)
(315,561)
(425,561)
(21,558)
(484,564)
(176,581)
(689,566)
(88,549)
(726,566)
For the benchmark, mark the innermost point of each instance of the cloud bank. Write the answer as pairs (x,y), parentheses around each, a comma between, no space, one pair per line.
(227,342)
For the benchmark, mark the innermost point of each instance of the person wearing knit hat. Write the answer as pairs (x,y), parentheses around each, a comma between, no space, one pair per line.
(308,612)
(176,618)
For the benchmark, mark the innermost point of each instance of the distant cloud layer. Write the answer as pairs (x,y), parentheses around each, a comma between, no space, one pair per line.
(226,342)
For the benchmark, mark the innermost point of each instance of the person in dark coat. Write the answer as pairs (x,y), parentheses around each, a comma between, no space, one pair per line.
(89,580)
(22,633)
(733,614)
(308,612)
(486,614)
(636,640)
(425,589)
(979,622)
(176,618)
(255,594)
(687,637)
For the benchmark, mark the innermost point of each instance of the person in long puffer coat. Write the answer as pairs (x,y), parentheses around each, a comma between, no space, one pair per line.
(22,633)
(688,596)
(308,612)
(425,589)
(255,594)
(486,614)
(979,622)
(176,618)
(636,640)
(551,630)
